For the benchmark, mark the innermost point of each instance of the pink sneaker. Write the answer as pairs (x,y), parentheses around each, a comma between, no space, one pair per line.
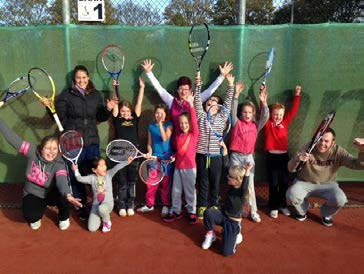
(106,226)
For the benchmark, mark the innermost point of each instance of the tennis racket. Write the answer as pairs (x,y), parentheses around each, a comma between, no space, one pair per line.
(152,171)
(120,150)
(16,88)
(217,127)
(268,64)
(198,43)
(322,128)
(43,86)
(113,61)
(70,145)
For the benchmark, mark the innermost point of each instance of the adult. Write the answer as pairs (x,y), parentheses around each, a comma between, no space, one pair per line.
(317,178)
(81,107)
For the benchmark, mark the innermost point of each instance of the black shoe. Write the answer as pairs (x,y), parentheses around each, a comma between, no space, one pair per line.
(192,218)
(327,221)
(83,214)
(301,218)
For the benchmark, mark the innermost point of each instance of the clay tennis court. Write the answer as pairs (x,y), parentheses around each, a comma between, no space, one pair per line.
(145,244)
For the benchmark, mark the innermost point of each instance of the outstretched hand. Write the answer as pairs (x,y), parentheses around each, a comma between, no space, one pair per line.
(263,94)
(147,65)
(74,201)
(239,87)
(226,68)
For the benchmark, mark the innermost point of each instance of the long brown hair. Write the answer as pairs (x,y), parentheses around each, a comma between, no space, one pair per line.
(90,86)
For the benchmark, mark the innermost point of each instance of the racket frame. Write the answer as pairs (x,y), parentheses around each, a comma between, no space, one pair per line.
(51,107)
(75,159)
(136,152)
(269,64)
(198,59)
(114,75)
(229,121)
(162,166)
(9,95)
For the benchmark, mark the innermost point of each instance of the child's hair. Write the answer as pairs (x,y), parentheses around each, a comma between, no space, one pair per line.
(164,107)
(237,172)
(90,85)
(220,101)
(185,114)
(94,162)
(248,104)
(277,106)
(126,104)
(184,80)
(45,140)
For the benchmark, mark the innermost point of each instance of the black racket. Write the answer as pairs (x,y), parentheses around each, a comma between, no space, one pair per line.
(198,43)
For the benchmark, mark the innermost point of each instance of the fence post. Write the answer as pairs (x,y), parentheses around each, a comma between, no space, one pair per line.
(292,11)
(66,11)
(241,13)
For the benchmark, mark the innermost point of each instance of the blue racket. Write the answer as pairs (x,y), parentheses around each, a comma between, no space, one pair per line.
(16,88)
(218,127)
(268,64)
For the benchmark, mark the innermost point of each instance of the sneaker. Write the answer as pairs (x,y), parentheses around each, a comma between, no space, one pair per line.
(239,238)
(210,237)
(165,211)
(122,212)
(36,225)
(200,212)
(192,218)
(145,209)
(256,218)
(215,207)
(63,225)
(172,217)
(285,211)
(106,226)
(301,218)
(130,212)
(273,214)
(327,221)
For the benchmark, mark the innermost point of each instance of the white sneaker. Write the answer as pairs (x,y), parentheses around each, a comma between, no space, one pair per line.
(256,218)
(130,212)
(273,214)
(122,212)
(63,225)
(106,226)
(239,238)
(36,225)
(285,211)
(145,209)
(165,211)
(209,239)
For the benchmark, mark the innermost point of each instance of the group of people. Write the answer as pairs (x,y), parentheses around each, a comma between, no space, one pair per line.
(183,132)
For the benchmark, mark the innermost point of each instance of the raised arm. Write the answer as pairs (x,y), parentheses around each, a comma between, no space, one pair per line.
(139,102)
(264,115)
(239,87)
(163,93)
(224,70)
(295,105)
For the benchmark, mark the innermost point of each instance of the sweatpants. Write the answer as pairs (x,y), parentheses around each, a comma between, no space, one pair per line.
(184,181)
(99,213)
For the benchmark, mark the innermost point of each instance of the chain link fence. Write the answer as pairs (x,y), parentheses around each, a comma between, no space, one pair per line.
(183,12)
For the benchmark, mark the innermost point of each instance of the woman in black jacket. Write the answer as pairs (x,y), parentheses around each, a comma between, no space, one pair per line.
(81,108)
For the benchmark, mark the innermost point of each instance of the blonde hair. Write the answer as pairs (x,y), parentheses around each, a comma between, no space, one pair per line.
(238,172)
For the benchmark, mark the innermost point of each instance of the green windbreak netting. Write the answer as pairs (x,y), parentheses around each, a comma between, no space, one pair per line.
(326,60)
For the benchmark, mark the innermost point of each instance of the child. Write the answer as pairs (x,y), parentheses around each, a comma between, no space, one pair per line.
(101,184)
(44,164)
(276,145)
(244,135)
(126,121)
(229,218)
(184,177)
(208,157)
(159,145)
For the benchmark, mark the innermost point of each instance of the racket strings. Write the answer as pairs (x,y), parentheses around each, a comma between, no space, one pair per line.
(39,81)
(71,146)
(113,59)
(18,85)
(151,172)
(198,41)
(121,151)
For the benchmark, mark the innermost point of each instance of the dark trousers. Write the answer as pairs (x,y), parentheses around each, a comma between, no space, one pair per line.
(34,207)
(231,229)
(208,179)
(126,179)
(277,179)
(79,189)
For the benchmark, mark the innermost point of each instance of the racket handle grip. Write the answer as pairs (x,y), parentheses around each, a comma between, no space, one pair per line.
(300,166)
(58,122)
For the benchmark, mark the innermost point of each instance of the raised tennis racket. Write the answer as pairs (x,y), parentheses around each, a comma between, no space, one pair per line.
(219,129)
(152,171)
(70,145)
(16,88)
(268,64)
(113,61)
(120,150)
(43,86)
(198,43)
(322,128)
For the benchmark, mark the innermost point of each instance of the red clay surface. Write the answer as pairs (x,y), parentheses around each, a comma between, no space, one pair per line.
(145,244)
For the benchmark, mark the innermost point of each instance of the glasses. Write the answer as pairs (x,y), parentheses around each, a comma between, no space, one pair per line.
(183,89)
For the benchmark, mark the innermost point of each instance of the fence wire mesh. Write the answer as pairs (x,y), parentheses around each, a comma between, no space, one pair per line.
(184,12)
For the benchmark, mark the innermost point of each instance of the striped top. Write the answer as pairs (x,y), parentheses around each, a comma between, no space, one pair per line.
(208,143)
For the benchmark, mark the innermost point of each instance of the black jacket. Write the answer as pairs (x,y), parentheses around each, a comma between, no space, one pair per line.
(82,113)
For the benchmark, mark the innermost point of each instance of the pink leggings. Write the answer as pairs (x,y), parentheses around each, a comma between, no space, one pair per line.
(165,192)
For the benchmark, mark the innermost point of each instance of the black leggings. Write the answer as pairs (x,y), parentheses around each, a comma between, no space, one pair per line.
(34,207)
